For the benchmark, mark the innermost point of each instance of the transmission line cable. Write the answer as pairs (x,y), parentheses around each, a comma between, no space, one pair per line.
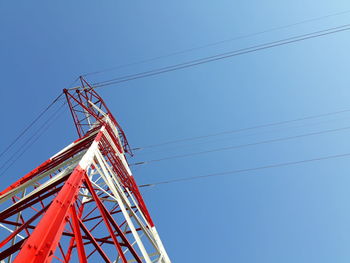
(241,146)
(29,126)
(221,56)
(243,129)
(217,43)
(184,179)
(208,142)
(41,114)
(31,140)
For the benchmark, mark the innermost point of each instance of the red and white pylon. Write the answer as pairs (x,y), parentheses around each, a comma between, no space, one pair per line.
(82,204)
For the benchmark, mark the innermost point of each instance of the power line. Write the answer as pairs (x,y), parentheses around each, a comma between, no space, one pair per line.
(223,56)
(216,43)
(247,170)
(243,145)
(243,129)
(30,141)
(221,139)
(29,126)
(41,114)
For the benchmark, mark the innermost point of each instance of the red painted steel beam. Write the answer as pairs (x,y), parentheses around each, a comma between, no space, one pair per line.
(51,163)
(105,219)
(42,243)
(94,242)
(35,198)
(128,180)
(13,249)
(77,235)
(109,221)
(21,227)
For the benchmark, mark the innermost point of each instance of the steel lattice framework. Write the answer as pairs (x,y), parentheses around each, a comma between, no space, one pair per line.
(82,204)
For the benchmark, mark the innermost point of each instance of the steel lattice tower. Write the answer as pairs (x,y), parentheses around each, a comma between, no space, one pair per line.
(82,204)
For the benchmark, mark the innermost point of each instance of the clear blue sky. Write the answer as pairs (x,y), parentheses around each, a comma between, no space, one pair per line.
(289,214)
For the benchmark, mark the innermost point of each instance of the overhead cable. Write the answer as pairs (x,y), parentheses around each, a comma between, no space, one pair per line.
(191,144)
(31,140)
(241,146)
(41,114)
(225,55)
(30,125)
(242,129)
(184,179)
(217,43)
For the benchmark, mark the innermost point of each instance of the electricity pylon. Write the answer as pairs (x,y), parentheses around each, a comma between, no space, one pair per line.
(82,204)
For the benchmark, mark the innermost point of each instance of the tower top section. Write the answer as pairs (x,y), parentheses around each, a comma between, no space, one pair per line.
(90,112)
